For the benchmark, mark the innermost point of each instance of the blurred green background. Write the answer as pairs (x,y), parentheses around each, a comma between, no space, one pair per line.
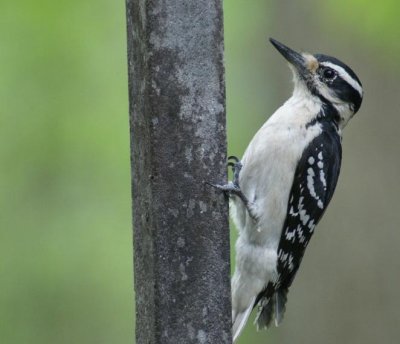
(65,222)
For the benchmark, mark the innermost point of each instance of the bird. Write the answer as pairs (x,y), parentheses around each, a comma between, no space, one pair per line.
(284,182)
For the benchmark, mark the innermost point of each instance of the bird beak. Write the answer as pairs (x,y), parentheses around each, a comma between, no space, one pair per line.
(294,58)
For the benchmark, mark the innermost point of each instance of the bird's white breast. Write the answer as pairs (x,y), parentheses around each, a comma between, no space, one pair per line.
(268,169)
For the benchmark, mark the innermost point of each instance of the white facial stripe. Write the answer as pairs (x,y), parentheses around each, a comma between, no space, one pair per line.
(345,76)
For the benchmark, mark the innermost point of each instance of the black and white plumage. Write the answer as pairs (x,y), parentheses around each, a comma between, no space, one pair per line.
(287,178)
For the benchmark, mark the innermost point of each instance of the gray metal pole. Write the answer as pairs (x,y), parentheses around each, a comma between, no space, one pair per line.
(177,120)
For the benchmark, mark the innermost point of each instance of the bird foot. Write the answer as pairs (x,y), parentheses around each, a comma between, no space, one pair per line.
(236,166)
(233,189)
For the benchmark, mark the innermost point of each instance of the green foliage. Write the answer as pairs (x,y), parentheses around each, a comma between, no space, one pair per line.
(375,23)
(65,247)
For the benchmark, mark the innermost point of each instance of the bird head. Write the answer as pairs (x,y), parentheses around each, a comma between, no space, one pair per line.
(326,78)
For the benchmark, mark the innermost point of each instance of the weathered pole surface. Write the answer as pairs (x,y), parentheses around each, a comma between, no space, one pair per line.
(177,120)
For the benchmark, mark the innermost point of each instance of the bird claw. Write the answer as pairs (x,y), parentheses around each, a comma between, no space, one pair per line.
(233,189)
(233,157)
(236,168)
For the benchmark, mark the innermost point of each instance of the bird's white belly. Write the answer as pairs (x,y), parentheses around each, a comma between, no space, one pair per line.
(266,178)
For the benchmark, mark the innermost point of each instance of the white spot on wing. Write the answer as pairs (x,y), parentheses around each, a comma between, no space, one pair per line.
(292,212)
(304,217)
(291,266)
(284,256)
(302,238)
(310,182)
(322,178)
(290,235)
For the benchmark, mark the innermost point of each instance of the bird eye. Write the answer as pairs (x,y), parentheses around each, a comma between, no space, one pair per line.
(328,73)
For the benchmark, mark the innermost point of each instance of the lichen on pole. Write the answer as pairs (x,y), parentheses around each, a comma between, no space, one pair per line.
(178,142)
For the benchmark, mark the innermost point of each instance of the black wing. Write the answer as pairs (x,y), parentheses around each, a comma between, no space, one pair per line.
(313,186)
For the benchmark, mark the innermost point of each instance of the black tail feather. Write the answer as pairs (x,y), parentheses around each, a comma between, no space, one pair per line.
(271,308)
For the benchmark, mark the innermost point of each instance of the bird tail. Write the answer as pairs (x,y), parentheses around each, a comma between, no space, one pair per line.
(271,308)
(239,319)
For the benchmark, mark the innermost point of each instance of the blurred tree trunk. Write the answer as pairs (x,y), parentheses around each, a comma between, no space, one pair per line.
(177,120)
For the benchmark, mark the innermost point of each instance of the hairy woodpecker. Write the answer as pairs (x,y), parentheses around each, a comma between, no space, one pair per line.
(284,182)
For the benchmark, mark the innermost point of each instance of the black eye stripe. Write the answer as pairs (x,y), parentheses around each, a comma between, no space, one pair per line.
(345,85)
(329,59)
